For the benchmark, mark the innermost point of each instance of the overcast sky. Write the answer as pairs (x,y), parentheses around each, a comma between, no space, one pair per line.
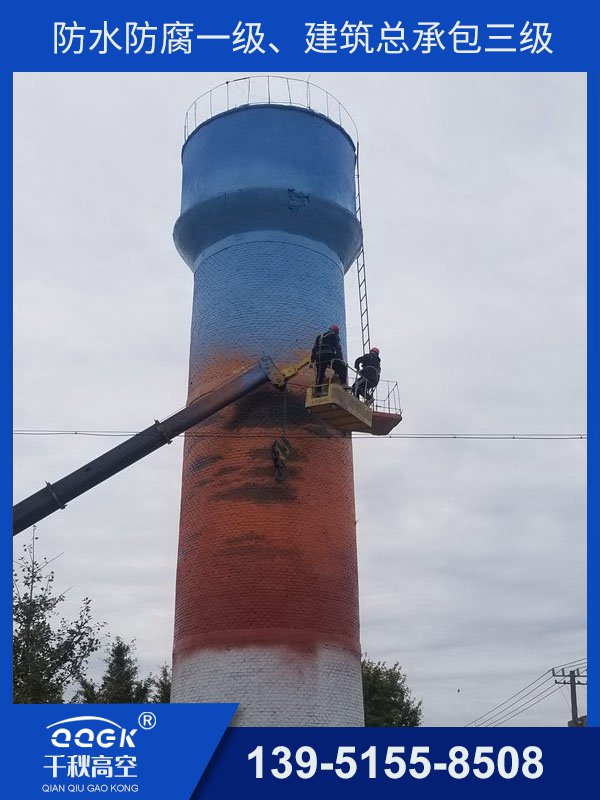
(471,553)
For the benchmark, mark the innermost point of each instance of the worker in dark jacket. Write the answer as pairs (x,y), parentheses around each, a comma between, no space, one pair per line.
(368,368)
(327,352)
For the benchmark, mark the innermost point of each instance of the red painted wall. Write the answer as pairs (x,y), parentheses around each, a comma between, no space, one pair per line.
(259,561)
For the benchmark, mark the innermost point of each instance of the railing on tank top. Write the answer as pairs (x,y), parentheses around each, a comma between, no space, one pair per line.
(267,90)
(385,397)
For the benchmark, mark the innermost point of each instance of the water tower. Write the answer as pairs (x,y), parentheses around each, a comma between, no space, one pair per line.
(267,590)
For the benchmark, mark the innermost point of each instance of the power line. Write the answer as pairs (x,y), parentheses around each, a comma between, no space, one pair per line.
(570,663)
(502,707)
(526,708)
(197,435)
(534,686)
(494,718)
(564,697)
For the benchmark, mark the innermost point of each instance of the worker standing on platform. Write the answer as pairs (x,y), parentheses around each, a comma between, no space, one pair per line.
(327,352)
(368,367)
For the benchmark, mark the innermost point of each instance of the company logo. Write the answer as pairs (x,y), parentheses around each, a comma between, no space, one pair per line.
(87,732)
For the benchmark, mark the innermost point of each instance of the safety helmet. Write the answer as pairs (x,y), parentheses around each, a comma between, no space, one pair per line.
(334,328)
(375,350)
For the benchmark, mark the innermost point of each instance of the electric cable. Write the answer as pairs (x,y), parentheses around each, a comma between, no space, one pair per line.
(502,707)
(526,708)
(536,684)
(501,712)
(356,437)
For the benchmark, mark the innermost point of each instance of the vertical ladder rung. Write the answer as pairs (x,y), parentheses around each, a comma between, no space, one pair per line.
(361,266)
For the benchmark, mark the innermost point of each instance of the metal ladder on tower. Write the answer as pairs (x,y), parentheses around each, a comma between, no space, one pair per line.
(361,269)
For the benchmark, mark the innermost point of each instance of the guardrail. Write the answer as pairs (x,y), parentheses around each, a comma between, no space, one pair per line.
(267,90)
(385,397)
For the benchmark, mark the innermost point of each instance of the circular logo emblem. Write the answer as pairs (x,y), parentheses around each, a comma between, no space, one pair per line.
(147,720)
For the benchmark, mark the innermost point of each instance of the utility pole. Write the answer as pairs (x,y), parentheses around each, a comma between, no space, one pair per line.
(572,680)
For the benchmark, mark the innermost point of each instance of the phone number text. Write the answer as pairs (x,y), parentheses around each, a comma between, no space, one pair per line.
(398,762)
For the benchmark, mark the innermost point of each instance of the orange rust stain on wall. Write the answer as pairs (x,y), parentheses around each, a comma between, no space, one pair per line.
(262,562)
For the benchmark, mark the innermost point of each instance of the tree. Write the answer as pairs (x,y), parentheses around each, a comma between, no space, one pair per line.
(388,701)
(48,654)
(162,686)
(120,682)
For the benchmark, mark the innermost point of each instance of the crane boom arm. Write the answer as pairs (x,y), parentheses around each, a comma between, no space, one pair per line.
(57,495)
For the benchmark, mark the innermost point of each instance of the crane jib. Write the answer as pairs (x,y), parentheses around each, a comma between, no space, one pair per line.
(56,495)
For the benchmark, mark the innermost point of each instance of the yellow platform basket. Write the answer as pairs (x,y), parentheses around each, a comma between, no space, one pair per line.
(337,406)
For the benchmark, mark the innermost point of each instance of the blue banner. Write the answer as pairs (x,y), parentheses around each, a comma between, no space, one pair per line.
(86,751)
(453,762)
(309,37)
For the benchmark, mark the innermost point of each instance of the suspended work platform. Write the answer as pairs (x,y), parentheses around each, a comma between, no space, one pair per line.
(339,407)
(384,423)
(376,411)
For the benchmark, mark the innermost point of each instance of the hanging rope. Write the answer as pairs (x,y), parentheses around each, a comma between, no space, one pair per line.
(284,425)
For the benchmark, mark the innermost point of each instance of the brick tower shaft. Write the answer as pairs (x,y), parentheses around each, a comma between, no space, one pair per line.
(267,591)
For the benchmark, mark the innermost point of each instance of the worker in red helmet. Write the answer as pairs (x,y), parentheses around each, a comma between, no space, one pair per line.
(327,353)
(368,369)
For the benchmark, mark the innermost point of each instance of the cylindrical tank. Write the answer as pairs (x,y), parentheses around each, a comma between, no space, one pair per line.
(267,590)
